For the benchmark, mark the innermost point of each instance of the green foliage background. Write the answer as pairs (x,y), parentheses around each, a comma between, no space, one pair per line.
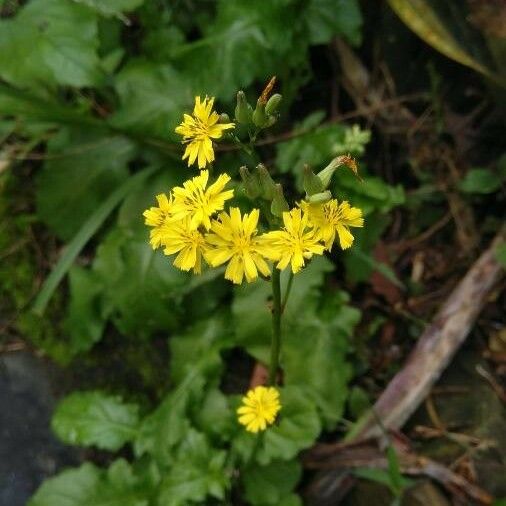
(101,86)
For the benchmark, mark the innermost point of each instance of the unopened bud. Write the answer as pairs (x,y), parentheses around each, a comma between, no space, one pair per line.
(243,110)
(320,198)
(259,117)
(326,174)
(312,183)
(267,184)
(272,105)
(251,183)
(279,204)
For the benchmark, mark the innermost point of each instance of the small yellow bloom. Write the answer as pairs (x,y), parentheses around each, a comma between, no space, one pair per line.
(295,243)
(179,237)
(157,217)
(259,409)
(198,130)
(233,239)
(331,218)
(199,203)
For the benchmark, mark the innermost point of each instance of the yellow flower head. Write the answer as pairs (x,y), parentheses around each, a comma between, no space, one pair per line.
(259,409)
(295,243)
(331,218)
(199,203)
(157,217)
(179,237)
(233,240)
(198,130)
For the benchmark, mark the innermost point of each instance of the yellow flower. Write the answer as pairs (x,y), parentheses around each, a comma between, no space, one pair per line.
(233,240)
(295,243)
(331,218)
(199,204)
(198,130)
(179,237)
(259,409)
(157,217)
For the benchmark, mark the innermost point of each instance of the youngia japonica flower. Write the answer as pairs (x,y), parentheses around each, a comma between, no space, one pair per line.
(259,408)
(192,222)
(199,129)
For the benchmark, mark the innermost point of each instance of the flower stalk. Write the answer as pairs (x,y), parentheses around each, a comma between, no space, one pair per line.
(276,326)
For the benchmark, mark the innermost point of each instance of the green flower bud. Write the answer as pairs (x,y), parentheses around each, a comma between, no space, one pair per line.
(243,110)
(266,182)
(272,105)
(326,174)
(312,183)
(320,198)
(259,117)
(279,204)
(251,183)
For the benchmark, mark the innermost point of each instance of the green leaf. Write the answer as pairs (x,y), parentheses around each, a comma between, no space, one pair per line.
(113,8)
(314,355)
(358,402)
(420,17)
(394,470)
(298,427)
(270,484)
(480,181)
(95,419)
(381,476)
(215,416)
(88,229)
(83,169)
(245,41)
(200,344)
(252,317)
(50,41)
(198,472)
(89,485)
(153,98)
(500,254)
(74,487)
(143,291)
(328,18)
(84,322)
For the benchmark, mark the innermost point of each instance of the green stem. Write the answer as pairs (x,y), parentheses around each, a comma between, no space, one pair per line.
(287,292)
(276,326)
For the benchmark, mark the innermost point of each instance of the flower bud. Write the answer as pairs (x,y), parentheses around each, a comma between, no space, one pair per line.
(243,110)
(312,183)
(320,198)
(326,174)
(260,119)
(279,204)
(251,183)
(267,184)
(272,105)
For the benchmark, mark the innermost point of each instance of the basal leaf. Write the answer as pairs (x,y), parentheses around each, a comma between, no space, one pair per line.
(152,99)
(52,42)
(89,485)
(95,419)
(84,167)
(270,484)
(298,427)
(328,18)
(85,320)
(198,472)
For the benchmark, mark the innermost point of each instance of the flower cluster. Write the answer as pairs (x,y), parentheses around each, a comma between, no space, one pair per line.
(191,222)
